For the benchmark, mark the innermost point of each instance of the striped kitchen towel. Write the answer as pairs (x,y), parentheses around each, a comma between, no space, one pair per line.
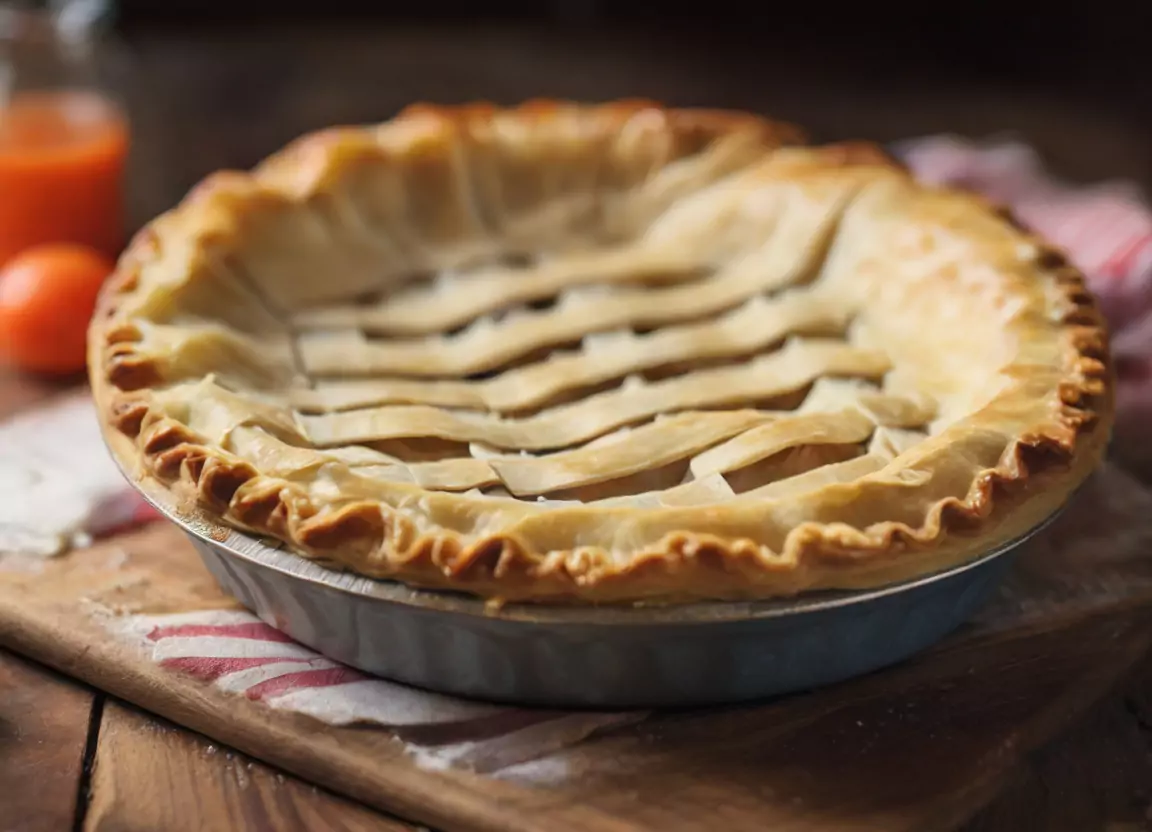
(238,653)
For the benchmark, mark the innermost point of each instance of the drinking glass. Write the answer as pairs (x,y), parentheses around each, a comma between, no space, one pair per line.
(63,135)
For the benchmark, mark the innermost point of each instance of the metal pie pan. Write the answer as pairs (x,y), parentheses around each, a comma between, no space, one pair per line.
(592,657)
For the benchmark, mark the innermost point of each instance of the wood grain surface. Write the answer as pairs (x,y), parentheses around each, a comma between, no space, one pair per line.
(44,722)
(151,775)
(1097,776)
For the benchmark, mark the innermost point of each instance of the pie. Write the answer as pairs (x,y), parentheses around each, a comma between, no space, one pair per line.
(602,353)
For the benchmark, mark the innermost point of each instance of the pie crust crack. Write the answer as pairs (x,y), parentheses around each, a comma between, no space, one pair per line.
(602,353)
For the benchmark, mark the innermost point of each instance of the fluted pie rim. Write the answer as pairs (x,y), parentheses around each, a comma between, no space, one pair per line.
(1035,426)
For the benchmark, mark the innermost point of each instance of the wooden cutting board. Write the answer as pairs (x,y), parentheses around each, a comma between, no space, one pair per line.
(918,747)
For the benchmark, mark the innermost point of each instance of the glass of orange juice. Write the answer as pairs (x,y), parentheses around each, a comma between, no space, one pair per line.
(63,136)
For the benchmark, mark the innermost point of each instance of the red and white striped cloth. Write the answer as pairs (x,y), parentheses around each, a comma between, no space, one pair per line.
(237,652)
(1106,230)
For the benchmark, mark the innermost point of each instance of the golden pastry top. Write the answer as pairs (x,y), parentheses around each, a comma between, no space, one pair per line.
(614,352)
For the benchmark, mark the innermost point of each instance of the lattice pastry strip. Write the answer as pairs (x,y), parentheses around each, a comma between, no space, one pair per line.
(756,324)
(613,456)
(621,454)
(797,365)
(710,489)
(847,470)
(791,235)
(886,445)
(454,298)
(835,412)
(487,344)
(616,455)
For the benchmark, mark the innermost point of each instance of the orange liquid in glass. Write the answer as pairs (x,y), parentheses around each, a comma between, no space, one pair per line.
(62,157)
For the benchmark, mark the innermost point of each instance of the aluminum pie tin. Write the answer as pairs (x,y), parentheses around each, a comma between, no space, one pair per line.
(591,656)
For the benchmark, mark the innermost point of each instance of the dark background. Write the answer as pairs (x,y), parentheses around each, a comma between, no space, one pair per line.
(1005,39)
(215,84)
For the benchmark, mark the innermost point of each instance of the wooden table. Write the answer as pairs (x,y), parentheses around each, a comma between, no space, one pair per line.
(73,758)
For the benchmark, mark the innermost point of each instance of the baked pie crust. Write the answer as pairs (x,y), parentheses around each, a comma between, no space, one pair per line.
(602,353)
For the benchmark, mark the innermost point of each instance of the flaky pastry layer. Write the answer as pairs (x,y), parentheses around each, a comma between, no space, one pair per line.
(321,351)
